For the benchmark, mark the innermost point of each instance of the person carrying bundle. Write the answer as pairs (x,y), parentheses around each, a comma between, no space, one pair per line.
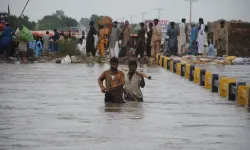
(133,82)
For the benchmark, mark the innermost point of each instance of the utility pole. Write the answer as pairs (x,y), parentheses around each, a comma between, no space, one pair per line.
(24,7)
(143,14)
(131,18)
(159,12)
(190,3)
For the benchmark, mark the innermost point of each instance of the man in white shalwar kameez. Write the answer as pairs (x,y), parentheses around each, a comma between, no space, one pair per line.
(181,36)
(201,39)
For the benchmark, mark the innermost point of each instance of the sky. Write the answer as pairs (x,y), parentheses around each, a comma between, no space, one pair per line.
(173,10)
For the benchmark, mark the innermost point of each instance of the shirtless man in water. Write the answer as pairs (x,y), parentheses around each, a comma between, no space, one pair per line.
(114,80)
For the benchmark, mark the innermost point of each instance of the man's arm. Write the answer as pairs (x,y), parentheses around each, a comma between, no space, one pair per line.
(101,79)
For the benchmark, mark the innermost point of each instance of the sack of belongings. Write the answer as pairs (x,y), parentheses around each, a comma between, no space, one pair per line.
(66,60)
(24,34)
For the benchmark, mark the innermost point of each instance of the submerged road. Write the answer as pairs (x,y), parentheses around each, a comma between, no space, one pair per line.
(60,107)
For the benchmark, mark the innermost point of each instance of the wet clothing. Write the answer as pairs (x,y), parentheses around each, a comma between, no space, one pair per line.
(90,45)
(132,91)
(149,34)
(141,43)
(114,84)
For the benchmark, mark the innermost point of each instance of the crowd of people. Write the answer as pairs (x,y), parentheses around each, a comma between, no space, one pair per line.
(199,42)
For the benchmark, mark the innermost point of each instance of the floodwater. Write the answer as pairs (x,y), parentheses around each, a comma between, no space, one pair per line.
(60,107)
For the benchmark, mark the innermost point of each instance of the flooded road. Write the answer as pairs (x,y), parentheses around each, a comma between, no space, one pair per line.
(60,107)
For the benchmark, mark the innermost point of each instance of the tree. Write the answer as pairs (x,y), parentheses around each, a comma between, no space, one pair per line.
(15,21)
(85,21)
(60,13)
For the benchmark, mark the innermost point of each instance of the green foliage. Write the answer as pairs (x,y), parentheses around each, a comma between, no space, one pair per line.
(56,21)
(15,21)
(68,48)
(85,21)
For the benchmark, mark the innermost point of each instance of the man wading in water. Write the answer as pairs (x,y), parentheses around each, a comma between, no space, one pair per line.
(133,82)
(114,80)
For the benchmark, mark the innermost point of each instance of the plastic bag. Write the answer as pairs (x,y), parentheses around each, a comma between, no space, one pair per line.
(66,60)
(24,34)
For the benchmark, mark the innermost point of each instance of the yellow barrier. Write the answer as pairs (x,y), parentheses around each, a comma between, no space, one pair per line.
(208,80)
(197,76)
(178,68)
(243,95)
(165,62)
(187,72)
(171,65)
(223,88)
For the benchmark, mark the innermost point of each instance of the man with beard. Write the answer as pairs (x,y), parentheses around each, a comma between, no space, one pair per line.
(114,80)
(90,45)
(133,82)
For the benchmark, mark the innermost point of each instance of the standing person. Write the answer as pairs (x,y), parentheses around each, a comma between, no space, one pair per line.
(101,41)
(201,39)
(114,40)
(172,44)
(114,80)
(55,40)
(46,38)
(222,39)
(181,36)
(38,47)
(7,38)
(141,41)
(149,35)
(156,38)
(125,39)
(193,36)
(22,46)
(201,22)
(90,45)
(205,50)
(133,83)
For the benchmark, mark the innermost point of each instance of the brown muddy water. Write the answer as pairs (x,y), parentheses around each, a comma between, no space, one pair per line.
(60,107)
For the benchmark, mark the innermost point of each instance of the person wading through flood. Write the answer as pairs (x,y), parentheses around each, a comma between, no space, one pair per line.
(156,38)
(149,38)
(125,39)
(172,33)
(133,82)
(90,45)
(141,41)
(114,40)
(222,39)
(114,80)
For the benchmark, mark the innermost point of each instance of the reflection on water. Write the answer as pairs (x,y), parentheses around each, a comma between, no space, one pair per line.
(52,106)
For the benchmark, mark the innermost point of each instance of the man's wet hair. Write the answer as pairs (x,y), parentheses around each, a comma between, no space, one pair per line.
(114,60)
(132,63)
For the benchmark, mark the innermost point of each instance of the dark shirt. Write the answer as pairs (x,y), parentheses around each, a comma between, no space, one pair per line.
(149,34)
(7,31)
(56,36)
